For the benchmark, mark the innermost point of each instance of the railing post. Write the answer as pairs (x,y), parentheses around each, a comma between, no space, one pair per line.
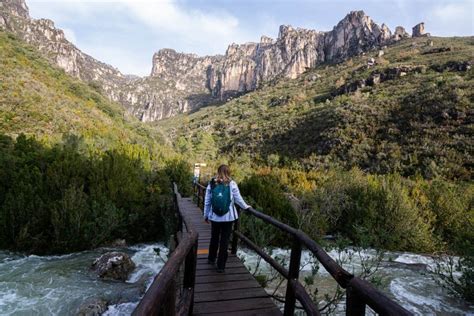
(203,195)
(169,307)
(355,305)
(235,238)
(199,196)
(293,273)
(189,278)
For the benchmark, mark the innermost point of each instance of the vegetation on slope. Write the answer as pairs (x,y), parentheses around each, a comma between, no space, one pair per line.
(419,120)
(75,171)
(39,99)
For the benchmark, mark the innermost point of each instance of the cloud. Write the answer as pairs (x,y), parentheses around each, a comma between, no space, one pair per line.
(455,18)
(207,31)
(130,31)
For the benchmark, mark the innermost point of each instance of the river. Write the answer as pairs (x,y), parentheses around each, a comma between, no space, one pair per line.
(58,285)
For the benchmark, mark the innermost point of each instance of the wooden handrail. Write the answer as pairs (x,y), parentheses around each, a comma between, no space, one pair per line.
(359,293)
(161,298)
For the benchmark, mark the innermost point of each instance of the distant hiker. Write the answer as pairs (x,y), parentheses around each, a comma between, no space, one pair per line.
(221,194)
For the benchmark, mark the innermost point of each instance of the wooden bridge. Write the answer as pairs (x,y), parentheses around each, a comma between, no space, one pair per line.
(188,285)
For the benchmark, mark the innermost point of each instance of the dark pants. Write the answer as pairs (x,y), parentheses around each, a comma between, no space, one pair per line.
(220,235)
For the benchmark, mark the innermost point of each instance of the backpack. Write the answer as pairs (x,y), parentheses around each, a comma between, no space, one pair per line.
(220,198)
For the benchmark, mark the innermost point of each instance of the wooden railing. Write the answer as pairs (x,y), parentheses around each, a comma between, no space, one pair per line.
(359,293)
(167,295)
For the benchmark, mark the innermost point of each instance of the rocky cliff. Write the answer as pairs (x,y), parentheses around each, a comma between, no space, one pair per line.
(182,82)
(42,33)
(294,51)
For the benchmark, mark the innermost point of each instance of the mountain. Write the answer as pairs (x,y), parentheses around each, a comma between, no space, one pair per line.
(40,99)
(406,108)
(184,82)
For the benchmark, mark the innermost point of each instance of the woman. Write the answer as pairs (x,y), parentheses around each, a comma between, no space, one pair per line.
(221,194)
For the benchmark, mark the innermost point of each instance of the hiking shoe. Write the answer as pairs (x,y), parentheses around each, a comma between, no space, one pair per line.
(210,262)
(220,270)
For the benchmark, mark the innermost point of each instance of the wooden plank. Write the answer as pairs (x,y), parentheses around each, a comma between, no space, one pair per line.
(233,305)
(226,286)
(224,277)
(228,270)
(203,258)
(229,295)
(229,265)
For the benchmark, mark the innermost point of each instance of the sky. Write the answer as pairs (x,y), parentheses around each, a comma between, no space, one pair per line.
(126,33)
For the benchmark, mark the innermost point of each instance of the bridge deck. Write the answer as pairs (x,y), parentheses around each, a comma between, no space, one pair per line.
(235,292)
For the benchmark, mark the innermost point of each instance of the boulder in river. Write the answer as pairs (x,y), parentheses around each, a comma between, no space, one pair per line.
(113,265)
(93,307)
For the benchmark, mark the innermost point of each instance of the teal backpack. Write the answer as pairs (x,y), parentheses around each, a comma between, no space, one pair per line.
(220,198)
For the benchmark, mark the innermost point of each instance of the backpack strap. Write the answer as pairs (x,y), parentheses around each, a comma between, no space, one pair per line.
(213,183)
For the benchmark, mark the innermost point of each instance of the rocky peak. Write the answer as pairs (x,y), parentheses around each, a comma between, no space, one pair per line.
(400,33)
(354,34)
(284,31)
(265,40)
(419,30)
(15,7)
(166,60)
(355,18)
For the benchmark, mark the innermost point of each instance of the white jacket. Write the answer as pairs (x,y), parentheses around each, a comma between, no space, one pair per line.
(230,216)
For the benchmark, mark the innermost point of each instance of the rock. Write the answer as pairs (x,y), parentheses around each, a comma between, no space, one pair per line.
(419,30)
(437,50)
(113,265)
(374,79)
(385,33)
(400,33)
(370,62)
(15,7)
(452,66)
(380,53)
(429,43)
(93,307)
(354,34)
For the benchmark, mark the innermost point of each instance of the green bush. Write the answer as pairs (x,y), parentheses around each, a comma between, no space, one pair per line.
(264,192)
(179,171)
(352,202)
(57,199)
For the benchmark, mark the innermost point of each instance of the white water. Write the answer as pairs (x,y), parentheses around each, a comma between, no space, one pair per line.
(58,285)
(404,279)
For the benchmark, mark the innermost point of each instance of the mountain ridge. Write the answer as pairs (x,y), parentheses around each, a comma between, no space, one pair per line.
(182,82)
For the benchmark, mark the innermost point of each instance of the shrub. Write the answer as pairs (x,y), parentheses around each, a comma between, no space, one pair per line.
(56,200)
(352,202)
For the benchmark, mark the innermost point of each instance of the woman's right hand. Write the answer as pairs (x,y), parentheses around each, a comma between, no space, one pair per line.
(206,220)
